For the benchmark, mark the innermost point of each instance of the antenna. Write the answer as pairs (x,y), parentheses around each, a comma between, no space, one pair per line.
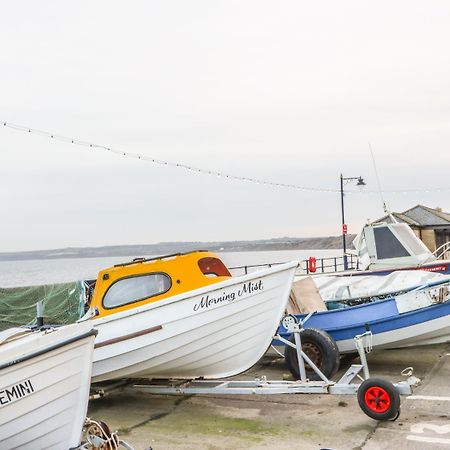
(385,207)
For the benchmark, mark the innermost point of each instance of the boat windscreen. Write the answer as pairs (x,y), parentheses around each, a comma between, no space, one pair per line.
(416,246)
(213,267)
(387,245)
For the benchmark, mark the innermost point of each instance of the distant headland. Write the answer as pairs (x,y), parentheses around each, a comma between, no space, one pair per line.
(162,248)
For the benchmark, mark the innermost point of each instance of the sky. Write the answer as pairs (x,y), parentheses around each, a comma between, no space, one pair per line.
(289,92)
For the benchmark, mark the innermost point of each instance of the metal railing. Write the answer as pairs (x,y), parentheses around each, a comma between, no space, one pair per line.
(331,264)
(442,252)
(251,268)
(322,265)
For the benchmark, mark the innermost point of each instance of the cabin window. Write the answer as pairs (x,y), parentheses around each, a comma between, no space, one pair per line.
(136,288)
(213,267)
(388,246)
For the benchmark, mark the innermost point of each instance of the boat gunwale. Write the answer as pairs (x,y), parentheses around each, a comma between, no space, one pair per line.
(70,340)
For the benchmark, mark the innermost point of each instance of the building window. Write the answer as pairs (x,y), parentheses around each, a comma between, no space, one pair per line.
(136,288)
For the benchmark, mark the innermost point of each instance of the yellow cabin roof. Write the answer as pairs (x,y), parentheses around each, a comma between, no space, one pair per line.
(142,281)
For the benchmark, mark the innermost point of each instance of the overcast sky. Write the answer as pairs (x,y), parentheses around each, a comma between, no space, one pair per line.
(288,91)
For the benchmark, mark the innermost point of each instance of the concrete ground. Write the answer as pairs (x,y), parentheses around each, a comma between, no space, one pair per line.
(298,421)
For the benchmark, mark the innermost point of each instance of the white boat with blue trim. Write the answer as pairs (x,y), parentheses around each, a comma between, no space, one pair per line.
(420,316)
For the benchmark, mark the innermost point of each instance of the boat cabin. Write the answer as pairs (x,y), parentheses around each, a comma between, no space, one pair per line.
(387,245)
(142,281)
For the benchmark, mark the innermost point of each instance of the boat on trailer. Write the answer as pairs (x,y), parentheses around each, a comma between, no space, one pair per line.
(184,316)
(420,316)
(44,386)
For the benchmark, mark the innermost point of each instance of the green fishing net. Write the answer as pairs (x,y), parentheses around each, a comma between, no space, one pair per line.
(63,304)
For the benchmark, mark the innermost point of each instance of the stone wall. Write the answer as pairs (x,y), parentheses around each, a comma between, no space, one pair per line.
(428,238)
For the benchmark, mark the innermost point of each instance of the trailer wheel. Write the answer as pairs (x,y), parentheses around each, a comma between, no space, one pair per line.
(320,348)
(379,399)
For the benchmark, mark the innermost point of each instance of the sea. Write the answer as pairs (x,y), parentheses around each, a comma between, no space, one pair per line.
(49,271)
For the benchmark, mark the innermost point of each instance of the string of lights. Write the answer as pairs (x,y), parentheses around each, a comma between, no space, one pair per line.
(198,170)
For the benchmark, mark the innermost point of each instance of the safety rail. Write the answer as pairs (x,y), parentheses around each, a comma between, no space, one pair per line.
(442,252)
(330,264)
(250,267)
(308,266)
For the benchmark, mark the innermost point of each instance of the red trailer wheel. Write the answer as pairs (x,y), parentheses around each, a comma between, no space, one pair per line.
(379,399)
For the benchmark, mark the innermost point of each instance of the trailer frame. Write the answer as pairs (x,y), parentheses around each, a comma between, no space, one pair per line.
(263,386)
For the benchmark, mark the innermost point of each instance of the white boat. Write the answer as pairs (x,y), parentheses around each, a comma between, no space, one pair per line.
(217,330)
(44,386)
(384,247)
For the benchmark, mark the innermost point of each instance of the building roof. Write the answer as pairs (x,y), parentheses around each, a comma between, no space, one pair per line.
(420,216)
(399,218)
(426,216)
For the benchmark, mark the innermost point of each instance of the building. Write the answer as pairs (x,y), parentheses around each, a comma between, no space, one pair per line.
(431,225)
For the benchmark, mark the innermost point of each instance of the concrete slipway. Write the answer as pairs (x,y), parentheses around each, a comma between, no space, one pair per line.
(298,421)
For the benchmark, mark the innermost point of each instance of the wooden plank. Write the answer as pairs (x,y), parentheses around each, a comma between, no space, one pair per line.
(305,298)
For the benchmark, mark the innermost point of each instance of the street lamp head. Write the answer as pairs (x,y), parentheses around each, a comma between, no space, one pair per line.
(361,183)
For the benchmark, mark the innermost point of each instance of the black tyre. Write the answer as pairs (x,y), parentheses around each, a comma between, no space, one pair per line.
(379,399)
(346,359)
(320,348)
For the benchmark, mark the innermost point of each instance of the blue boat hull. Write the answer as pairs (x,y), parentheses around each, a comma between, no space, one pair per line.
(390,329)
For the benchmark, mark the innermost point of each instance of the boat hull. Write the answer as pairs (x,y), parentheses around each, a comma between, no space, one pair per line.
(390,329)
(213,332)
(442,267)
(433,331)
(44,390)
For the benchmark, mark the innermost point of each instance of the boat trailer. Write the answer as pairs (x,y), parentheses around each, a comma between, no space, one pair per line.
(378,398)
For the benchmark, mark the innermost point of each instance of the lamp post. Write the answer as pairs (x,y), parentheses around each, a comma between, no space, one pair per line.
(360,185)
